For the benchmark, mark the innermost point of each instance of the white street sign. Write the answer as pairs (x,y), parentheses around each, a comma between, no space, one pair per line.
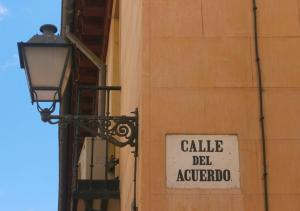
(202,161)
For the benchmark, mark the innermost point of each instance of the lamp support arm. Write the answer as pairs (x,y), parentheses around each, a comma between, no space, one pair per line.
(110,128)
(85,50)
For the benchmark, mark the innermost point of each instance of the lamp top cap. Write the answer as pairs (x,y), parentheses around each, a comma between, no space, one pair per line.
(48,36)
(46,28)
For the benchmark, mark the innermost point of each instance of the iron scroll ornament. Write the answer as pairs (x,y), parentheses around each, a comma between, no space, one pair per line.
(109,128)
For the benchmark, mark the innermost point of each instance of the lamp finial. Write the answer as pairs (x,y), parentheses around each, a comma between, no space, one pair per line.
(48,28)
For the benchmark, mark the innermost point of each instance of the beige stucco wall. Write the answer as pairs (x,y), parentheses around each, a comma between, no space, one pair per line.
(130,73)
(189,66)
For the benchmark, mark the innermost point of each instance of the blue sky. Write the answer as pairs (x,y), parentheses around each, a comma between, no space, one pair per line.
(28,147)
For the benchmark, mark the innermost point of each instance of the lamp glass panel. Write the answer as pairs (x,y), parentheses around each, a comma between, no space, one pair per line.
(45,65)
(45,95)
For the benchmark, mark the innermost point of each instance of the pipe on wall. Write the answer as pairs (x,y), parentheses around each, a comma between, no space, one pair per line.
(67,15)
(67,11)
(261,107)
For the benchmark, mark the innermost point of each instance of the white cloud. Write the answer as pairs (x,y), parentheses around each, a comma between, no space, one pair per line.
(3,11)
(11,63)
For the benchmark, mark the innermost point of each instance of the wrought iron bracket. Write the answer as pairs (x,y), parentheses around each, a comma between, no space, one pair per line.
(117,130)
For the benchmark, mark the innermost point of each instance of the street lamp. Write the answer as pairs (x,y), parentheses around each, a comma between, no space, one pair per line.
(46,60)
